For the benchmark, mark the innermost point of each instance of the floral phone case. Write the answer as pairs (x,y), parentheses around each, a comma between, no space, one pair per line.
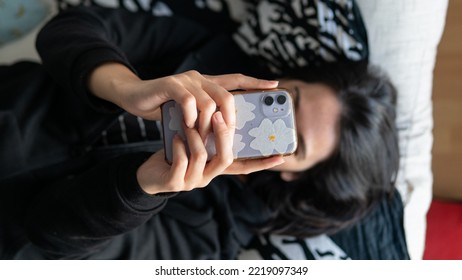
(265,125)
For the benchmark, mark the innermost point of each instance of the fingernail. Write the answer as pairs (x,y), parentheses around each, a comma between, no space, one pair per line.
(281,160)
(190,124)
(219,117)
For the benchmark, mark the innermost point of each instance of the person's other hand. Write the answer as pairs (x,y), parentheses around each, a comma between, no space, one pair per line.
(193,91)
(156,176)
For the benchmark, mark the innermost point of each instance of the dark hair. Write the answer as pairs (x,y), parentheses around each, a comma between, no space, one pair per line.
(343,188)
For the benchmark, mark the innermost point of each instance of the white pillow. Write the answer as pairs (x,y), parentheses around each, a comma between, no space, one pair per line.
(403,40)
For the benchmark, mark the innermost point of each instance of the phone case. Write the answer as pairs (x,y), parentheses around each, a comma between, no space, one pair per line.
(265,125)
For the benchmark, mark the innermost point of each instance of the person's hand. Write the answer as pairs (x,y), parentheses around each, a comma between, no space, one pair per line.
(156,176)
(193,91)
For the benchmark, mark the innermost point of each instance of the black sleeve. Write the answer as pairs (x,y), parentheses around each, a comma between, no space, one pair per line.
(78,216)
(78,40)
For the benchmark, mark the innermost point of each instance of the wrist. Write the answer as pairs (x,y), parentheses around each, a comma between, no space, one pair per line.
(112,82)
(143,175)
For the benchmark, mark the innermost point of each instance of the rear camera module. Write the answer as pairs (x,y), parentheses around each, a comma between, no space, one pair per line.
(281,99)
(268,100)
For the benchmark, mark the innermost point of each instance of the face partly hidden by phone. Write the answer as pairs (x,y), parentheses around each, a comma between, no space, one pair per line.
(265,125)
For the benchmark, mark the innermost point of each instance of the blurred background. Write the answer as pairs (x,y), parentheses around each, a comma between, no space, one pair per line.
(447,101)
(444,218)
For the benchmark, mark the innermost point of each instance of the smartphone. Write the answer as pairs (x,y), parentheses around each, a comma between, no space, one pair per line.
(265,125)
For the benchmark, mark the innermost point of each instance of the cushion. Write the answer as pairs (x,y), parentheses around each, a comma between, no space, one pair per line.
(403,40)
(19,17)
(20,21)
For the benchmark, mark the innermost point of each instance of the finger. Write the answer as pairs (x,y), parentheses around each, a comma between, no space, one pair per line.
(239,81)
(179,163)
(187,102)
(253,165)
(206,106)
(224,100)
(224,147)
(197,158)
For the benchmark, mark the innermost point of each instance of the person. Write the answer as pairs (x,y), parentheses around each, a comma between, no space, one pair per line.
(114,199)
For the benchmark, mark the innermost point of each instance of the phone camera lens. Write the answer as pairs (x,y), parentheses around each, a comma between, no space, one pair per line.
(268,100)
(281,99)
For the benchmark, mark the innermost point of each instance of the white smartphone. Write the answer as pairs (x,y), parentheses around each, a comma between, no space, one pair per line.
(265,125)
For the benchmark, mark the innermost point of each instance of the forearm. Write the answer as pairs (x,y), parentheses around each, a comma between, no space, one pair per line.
(111,81)
(76,42)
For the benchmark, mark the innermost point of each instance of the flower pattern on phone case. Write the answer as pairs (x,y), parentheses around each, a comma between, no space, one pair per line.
(238,145)
(244,111)
(271,136)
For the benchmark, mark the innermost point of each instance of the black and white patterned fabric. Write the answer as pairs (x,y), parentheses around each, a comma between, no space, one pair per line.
(281,34)
(129,129)
(229,9)
(298,34)
(217,15)
(276,247)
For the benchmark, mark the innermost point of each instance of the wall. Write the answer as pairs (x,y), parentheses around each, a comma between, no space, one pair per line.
(447,100)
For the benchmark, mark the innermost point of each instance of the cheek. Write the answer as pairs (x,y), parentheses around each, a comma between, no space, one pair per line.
(327,144)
